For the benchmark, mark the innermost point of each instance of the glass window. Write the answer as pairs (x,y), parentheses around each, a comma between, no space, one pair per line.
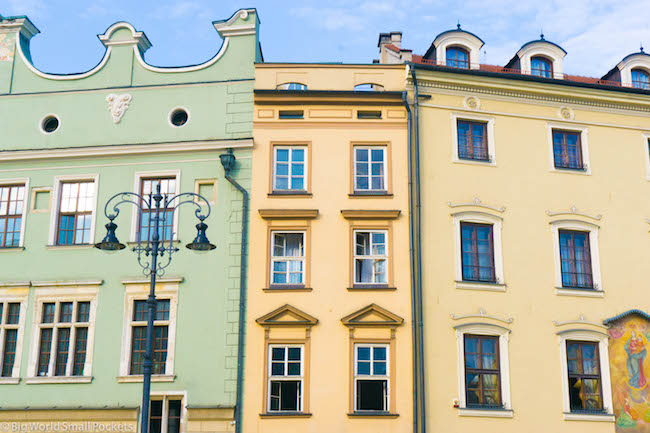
(477,252)
(371,377)
(457,58)
(289,168)
(11,214)
(472,140)
(482,371)
(585,386)
(285,378)
(63,341)
(575,259)
(369,168)
(165,414)
(9,326)
(541,67)
(147,224)
(291,86)
(75,212)
(139,336)
(640,79)
(288,258)
(567,150)
(370,257)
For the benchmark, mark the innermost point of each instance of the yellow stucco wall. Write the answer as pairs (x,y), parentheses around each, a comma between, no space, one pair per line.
(614,197)
(329,129)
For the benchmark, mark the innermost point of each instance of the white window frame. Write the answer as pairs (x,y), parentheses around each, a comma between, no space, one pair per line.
(139,291)
(58,295)
(54,212)
(371,376)
(592,229)
(355,256)
(7,296)
(584,145)
(646,152)
(290,162)
(288,259)
(285,377)
(489,120)
(135,218)
(370,148)
(165,396)
(25,182)
(602,340)
(504,368)
(497,227)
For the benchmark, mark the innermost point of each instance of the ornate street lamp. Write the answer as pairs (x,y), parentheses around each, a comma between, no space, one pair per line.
(160,208)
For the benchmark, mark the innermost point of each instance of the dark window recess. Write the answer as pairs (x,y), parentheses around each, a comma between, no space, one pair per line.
(585,387)
(477,252)
(291,114)
(482,371)
(179,117)
(365,114)
(174,416)
(155,416)
(372,395)
(575,259)
(50,124)
(285,395)
(567,150)
(472,141)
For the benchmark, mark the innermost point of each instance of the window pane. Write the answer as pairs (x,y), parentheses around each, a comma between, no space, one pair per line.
(81,339)
(13,313)
(277,353)
(44,352)
(363,353)
(9,352)
(83,311)
(62,345)
(174,416)
(294,354)
(48,313)
(371,395)
(65,312)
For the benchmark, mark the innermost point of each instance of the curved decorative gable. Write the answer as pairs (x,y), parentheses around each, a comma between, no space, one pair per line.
(539,48)
(633,312)
(623,71)
(372,315)
(455,38)
(287,315)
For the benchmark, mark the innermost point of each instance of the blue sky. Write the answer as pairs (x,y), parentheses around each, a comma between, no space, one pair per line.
(597,34)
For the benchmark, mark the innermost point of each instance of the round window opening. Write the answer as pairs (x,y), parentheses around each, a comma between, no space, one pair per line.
(50,124)
(179,117)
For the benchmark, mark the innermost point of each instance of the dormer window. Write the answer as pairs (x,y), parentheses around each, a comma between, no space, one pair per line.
(457,57)
(640,79)
(541,67)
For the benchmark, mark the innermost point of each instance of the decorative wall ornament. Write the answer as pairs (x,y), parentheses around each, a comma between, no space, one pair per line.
(117,105)
(573,211)
(244,14)
(582,320)
(482,314)
(472,102)
(477,203)
(566,113)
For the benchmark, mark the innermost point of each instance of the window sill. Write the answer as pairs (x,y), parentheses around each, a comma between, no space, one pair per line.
(372,414)
(585,293)
(7,249)
(371,194)
(58,379)
(598,417)
(285,415)
(287,288)
(290,194)
(9,380)
(478,162)
(478,285)
(485,413)
(70,247)
(578,171)
(371,287)
(140,378)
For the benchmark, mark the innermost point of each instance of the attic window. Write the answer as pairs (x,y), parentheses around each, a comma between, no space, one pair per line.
(291,114)
(178,117)
(292,86)
(49,124)
(368,87)
(541,67)
(369,114)
(457,57)
(640,79)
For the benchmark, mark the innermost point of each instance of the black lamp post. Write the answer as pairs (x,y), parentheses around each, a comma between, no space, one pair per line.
(160,209)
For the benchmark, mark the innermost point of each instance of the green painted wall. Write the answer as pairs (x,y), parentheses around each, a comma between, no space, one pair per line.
(219,99)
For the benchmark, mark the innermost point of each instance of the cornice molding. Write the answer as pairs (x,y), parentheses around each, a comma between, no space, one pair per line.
(67,283)
(477,203)
(482,314)
(384,317)
(288,213)
(300,318)
(370,214)
(573,211)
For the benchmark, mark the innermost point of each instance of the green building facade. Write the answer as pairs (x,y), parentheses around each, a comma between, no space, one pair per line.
(71,322)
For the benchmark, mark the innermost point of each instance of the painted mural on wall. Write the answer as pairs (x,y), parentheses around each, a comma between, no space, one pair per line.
(630,371)
(7,45)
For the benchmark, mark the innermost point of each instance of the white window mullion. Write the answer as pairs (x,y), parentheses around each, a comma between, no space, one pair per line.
(55,340)
(165,414)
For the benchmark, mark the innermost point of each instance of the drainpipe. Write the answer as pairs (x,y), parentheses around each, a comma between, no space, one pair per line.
(416,234)
(228,162)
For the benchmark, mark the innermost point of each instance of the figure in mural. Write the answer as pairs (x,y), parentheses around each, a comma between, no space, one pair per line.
(636,352)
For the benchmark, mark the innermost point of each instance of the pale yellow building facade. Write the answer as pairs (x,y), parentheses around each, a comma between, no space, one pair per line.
(328,322)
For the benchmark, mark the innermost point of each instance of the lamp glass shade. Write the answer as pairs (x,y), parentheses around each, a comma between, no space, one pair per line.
(201,242)
(110,241)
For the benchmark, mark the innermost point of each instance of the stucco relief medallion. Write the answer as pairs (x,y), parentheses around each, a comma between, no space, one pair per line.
(566,113)
(117,105)
(472,102)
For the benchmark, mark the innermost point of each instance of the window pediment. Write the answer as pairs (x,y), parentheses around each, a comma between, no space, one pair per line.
(287,316)
(372,315)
